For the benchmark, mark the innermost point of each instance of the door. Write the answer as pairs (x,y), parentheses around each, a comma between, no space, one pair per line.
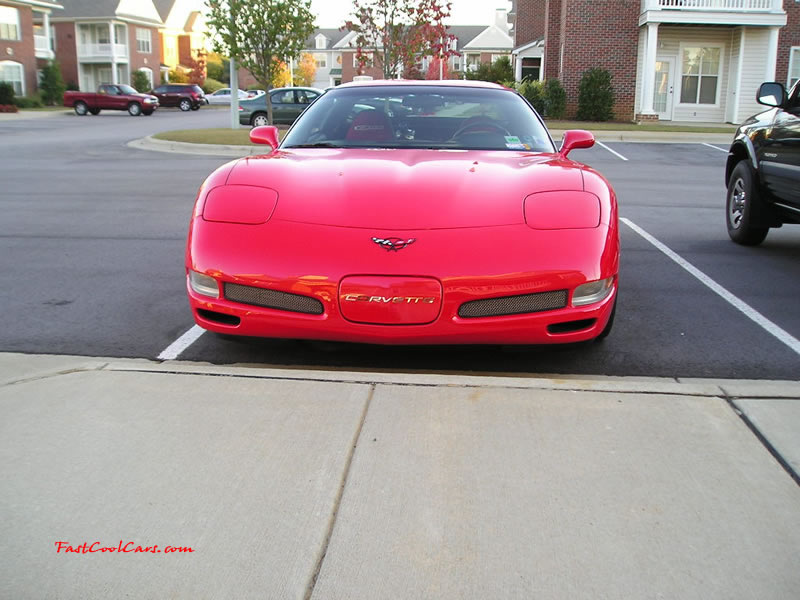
(780,154)
(662,93)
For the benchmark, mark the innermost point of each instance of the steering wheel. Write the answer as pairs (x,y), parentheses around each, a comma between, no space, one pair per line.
(480,124)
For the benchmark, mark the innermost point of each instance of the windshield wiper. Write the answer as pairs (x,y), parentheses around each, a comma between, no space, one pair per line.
(314,145)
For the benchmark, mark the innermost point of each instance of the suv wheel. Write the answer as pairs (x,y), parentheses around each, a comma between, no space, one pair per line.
(185,105)
(259,120)
(742,205)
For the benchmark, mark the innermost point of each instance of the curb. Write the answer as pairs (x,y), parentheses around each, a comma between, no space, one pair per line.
(156,145)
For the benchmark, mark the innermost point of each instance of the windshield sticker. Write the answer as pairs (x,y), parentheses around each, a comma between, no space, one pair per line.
(514,143)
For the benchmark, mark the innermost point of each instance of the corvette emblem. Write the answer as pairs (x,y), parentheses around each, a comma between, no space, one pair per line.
(393,244)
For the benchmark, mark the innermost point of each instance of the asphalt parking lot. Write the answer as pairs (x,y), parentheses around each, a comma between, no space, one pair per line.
(93,235)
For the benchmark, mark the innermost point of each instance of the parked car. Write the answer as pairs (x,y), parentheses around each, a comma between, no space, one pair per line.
(223,96)
(456,224)
(287,104)
(763,168)
(111,97)
(186,96)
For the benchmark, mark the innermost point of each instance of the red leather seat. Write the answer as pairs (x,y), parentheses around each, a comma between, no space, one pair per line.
(370,126)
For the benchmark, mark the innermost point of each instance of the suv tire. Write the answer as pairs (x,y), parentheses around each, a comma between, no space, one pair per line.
(742,206)
(185,104)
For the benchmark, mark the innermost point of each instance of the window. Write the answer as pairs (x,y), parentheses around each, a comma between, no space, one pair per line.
(531,67)
(13,73)
(143,39)
(700,75)
(9,23)
(321,42)
(321,59)
(473,60)
(53,38)
(794,65)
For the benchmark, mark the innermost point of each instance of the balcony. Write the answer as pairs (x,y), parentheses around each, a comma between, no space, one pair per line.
(714,12)
(102,52)
(41,45)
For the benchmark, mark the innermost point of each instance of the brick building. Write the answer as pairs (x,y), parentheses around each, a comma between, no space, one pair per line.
(105,41)
(680,60)
(25,41)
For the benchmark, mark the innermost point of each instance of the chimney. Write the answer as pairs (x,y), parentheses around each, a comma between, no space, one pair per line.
(501,19)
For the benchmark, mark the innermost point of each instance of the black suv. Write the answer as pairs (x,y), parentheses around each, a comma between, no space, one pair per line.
(186,96)
(763,170)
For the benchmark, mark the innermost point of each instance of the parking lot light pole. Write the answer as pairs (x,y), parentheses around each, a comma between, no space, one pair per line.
(234,95)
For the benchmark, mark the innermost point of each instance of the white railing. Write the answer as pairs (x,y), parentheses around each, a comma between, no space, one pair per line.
(41,42)
(722,5)
(103,50)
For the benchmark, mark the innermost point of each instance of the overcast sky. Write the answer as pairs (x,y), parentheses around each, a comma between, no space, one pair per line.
(333,13)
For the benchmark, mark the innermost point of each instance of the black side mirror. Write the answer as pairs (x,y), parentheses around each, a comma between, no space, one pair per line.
(771,94)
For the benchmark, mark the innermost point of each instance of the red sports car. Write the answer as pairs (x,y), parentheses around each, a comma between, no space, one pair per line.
(398,212)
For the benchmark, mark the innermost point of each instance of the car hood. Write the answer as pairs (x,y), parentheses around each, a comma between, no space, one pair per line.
(405,189)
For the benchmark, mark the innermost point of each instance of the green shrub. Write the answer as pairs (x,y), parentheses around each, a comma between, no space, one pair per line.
(52,85)
(178,76)
(595,96)
(140,82)
(497,72)
(534,92)
(73,87)
(555,99)
(28,101)
(6,93)
(212,85)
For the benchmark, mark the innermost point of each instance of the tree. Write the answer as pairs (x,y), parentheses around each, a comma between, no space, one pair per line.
(197,68)
(306,70)
(393,34)
(437,69)
(140,82)
(52,85)
(260,34)
(595,96)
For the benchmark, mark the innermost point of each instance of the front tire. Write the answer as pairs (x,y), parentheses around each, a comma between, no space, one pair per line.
(134,109)
(259,120)
(81,108)
(185,105)
(196,107)
(742,206)
(94,111)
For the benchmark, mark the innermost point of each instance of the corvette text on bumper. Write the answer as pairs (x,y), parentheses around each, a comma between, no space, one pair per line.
(389,299)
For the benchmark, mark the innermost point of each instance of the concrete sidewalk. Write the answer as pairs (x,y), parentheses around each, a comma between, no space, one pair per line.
(328,484)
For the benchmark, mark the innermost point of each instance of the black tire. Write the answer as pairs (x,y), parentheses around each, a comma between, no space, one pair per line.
(94,111)
(81,108)
(196,107)
(742,207)
(134,109)
(147,113)
(185,104)
(259,119)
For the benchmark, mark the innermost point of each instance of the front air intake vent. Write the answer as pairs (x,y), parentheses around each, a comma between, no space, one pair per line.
(273,299)
(513,305)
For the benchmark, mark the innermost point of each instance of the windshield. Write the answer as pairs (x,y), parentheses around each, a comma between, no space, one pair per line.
(438,117)
(126,89)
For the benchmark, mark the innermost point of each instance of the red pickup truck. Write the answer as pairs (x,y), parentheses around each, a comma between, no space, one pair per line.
(112,97)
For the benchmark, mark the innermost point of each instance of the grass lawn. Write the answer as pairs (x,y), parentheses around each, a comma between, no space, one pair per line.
(225,136)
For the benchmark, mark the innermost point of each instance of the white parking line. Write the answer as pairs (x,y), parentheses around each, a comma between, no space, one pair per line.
(614,152)
(738,304)
(715,147)
(175,349)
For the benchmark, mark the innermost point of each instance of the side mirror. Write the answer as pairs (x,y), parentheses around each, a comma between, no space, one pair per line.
(266,134)
(575,138)
(771,94)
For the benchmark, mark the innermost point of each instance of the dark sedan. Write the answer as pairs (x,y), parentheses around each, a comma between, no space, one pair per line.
(287,104)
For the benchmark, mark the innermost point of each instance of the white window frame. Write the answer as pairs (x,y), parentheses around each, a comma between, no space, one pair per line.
(144,39)
(679,86)
(794,63)
(320,43)
(5,26)
(21,80)
(321,60)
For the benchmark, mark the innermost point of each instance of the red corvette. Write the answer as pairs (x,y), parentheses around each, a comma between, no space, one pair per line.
(399,212)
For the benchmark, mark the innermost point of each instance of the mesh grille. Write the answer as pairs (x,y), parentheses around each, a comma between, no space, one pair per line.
(273,299)
(513,305)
